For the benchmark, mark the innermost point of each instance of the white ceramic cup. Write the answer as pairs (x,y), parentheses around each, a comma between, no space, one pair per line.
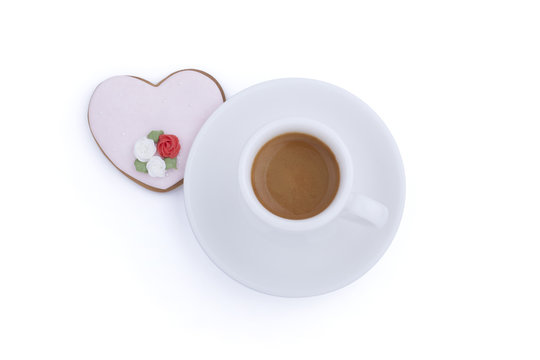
(353,206)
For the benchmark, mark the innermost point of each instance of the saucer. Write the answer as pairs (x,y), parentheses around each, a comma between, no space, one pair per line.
(268,259)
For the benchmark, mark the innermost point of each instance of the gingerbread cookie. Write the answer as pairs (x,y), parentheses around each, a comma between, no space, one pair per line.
(146,130)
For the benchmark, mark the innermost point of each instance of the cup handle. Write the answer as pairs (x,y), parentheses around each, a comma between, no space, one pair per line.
(360,207)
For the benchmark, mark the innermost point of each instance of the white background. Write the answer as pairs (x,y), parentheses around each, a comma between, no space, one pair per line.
(93,266)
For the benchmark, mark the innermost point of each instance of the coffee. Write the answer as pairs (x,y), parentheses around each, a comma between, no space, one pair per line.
(295,176)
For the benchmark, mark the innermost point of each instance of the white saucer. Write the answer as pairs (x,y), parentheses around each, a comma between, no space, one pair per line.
(265,258)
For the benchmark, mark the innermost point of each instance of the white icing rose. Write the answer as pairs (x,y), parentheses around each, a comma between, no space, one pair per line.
(156,167)
(144,149)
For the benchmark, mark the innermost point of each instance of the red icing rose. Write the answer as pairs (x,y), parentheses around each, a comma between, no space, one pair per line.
(168,146)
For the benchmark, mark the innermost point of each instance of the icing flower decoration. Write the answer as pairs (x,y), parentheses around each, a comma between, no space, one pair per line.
(168,146)
(148,162)
(156,167)
(144,149)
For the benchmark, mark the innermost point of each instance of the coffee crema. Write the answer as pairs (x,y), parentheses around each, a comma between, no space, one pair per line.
(295,176)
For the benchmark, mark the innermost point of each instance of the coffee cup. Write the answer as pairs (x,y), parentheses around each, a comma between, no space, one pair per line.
(345,203)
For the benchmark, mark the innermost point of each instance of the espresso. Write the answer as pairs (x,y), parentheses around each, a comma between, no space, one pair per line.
(295,176)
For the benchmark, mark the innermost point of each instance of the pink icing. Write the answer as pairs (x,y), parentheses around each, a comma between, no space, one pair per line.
(123,109)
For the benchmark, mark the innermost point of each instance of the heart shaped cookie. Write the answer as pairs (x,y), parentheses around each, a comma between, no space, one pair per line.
(146,130)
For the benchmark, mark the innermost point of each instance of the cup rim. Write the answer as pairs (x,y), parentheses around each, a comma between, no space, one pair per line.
(310,127)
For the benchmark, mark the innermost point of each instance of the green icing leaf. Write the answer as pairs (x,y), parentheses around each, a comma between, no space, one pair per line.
(140,166)
(170,163)
(154,135)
